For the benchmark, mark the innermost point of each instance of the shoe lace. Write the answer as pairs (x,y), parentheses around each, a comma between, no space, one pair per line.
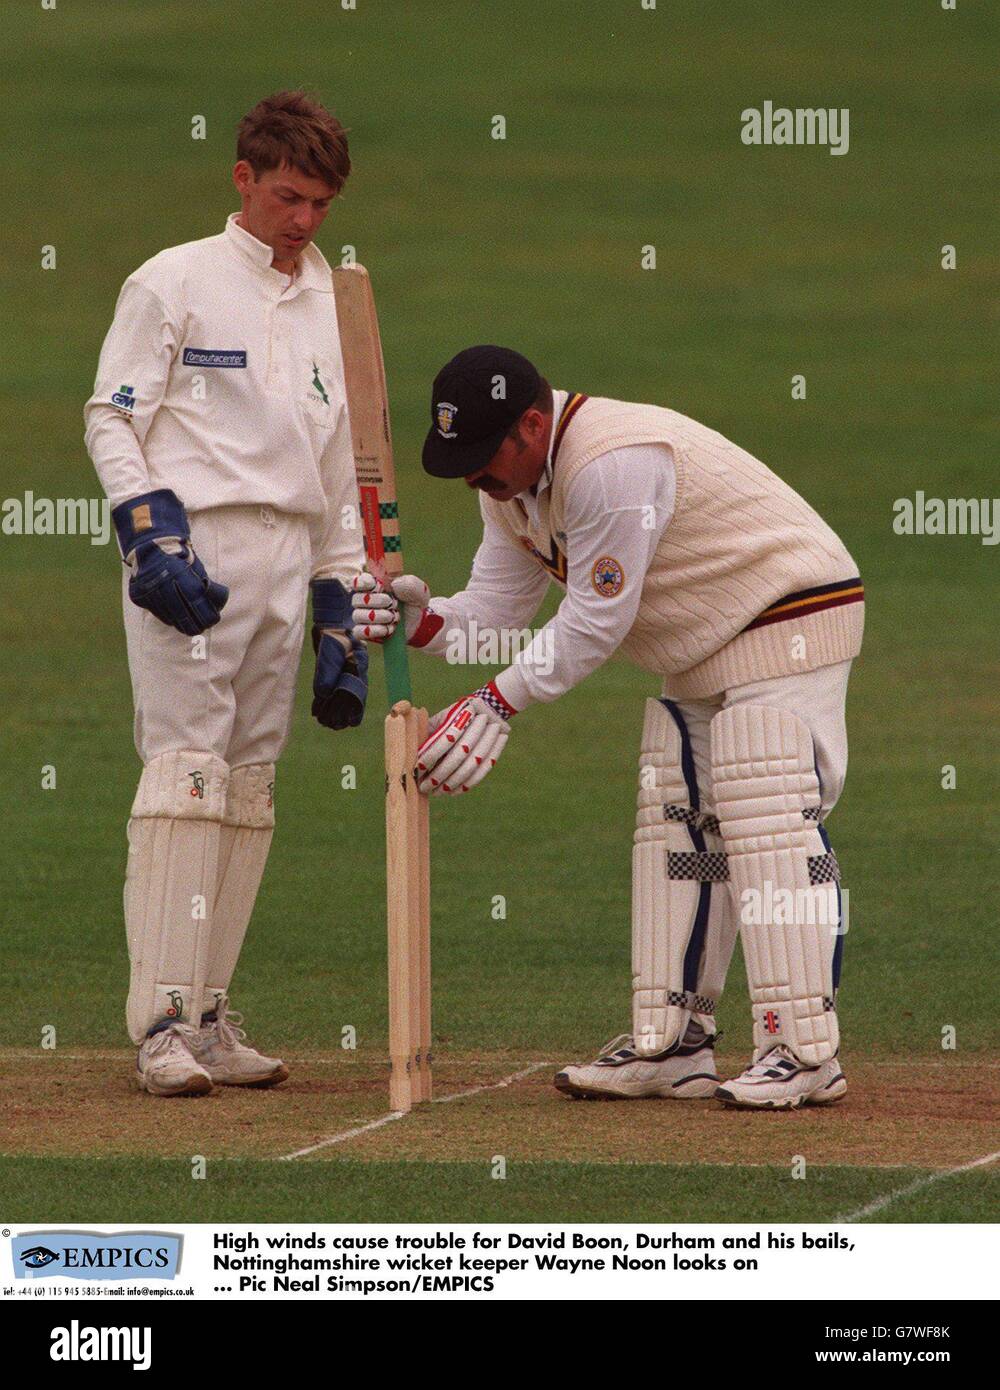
(177,1034)
(623,1042)
(766,1063)
(227,1025)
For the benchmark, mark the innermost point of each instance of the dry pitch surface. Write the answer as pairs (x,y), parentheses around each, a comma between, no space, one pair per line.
(928,1114)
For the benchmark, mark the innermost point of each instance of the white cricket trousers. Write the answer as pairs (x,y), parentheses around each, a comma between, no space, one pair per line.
(230,691)
(212,715)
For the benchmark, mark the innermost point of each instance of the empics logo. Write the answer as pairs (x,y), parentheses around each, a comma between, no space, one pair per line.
(92,1256)
(76,1343)
(38,1257)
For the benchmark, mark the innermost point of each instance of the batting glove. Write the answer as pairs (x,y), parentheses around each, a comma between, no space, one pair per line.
(464,743)
(375,609)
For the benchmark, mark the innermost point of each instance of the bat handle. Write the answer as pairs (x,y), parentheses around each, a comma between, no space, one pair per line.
(397,666)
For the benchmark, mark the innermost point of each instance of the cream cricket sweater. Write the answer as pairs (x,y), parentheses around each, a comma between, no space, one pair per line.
(747,582)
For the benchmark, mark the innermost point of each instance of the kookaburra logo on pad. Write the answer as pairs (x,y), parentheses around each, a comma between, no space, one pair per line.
(446,413)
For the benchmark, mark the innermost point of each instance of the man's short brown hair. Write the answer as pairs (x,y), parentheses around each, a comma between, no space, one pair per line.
(542,402)
(292,128)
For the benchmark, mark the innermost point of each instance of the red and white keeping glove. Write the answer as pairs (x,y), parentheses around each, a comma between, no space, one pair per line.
(375,609)
(464,743)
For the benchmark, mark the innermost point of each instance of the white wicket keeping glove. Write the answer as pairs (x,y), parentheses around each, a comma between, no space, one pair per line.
(462,747)
(375,608)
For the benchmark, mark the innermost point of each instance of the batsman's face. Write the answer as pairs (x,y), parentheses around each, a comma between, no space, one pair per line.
(283,208)
(519,462)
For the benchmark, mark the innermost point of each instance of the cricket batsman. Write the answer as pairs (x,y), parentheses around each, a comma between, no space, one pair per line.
(219,430)
(686,555)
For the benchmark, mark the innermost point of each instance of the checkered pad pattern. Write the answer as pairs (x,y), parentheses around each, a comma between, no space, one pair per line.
(391,543)
(704,868)
(700,820)
(388,509)
(813,813)
(823,868)
(700,1003)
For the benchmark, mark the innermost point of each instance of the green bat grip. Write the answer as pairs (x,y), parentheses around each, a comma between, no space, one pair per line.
(397,665)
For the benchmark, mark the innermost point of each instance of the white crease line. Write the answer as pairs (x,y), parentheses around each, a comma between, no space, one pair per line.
(344,1136)
(53,1054)
(881,1203)
(339,1059)
(493,1085)
(400,1114)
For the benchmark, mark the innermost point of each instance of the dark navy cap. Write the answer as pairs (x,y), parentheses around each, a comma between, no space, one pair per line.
(475,399)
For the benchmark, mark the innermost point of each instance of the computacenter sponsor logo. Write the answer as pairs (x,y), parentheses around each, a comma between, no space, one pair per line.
(83,1343)
(214,357)
(94,1256)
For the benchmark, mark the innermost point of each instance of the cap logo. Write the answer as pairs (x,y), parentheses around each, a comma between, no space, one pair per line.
(446,413)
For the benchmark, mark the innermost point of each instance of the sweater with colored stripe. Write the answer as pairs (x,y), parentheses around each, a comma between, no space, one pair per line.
(748,582)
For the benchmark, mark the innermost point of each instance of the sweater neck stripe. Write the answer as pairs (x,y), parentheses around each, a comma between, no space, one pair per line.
(573,403)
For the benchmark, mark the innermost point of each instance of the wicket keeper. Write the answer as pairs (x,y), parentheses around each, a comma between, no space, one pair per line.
(683,553)
(219,430)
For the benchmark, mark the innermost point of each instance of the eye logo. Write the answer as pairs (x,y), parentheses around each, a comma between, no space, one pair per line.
(38,1257)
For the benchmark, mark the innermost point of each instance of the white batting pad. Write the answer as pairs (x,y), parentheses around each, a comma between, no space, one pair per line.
(244,844)
(682,925)
(170,885)
(783,876)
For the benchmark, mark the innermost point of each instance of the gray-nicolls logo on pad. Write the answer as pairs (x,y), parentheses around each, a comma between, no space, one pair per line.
(76,1343)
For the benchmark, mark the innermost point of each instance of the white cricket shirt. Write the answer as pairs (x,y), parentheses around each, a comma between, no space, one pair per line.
(617,507)
(222,379)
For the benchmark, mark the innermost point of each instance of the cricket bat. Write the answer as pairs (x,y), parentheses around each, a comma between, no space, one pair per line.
(371,437)
(407,830)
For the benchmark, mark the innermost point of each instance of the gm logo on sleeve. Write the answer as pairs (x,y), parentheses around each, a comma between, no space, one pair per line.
(94,1256)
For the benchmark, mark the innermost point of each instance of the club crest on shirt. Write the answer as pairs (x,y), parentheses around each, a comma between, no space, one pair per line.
(318,387)
(607,577)
(445,414)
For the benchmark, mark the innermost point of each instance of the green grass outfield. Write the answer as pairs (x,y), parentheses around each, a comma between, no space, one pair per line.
(343,1190)
(622,131)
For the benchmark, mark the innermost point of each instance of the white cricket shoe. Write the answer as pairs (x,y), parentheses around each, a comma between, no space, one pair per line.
(219,1048)
(684,1072)
(165,1065)
(779,1081)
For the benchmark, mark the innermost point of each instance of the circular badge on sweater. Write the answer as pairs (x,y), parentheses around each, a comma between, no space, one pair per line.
(607,577)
